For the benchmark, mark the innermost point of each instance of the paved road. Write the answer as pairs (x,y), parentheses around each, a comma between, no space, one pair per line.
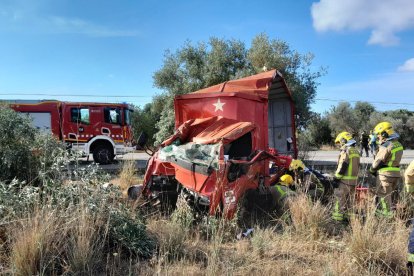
(327,157)
(312,156)
(318,159)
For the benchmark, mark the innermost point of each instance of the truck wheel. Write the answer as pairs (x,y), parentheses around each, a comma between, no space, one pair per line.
(103,154)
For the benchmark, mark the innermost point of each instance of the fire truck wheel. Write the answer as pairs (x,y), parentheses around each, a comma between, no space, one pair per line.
(103,154)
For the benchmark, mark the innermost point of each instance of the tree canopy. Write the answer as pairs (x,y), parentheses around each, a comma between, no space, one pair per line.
(361,117)
(203,64)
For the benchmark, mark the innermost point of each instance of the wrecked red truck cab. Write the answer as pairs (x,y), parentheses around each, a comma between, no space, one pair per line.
(226,138)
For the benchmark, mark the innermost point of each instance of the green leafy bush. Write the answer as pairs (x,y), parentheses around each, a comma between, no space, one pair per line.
(16,142)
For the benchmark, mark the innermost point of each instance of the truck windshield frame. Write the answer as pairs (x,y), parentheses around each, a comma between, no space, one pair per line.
(80,115)
(112,115)
(127,116)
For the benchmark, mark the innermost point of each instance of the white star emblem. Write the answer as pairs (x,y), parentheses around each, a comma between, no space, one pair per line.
(219,105)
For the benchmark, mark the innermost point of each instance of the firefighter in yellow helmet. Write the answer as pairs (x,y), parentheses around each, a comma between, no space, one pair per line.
(281,192)
(346,176)
(387,166)
(308,180)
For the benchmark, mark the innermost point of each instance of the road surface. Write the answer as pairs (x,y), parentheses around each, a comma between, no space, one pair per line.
(327,157)
(325,160)
(312,156)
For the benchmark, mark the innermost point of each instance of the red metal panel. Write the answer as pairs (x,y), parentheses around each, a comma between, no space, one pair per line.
(243,100)
(52,107)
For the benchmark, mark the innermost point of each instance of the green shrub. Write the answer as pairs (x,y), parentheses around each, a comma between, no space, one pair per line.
(130,234)
(16,142)
(27,154)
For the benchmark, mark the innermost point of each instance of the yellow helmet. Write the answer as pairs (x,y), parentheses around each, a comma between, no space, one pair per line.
(384,129)
(343,138)
(286,180)
(296,164)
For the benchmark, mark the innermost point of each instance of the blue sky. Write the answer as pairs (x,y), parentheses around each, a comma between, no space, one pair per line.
(111,49)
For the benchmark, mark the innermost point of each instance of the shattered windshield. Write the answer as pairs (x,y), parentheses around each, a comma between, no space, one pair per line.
(205,155)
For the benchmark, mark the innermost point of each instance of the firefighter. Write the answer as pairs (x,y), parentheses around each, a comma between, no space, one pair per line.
(346,176)
(386,166)
(307,179)
(409,178)
(364,140)
(281,192)
(373,143)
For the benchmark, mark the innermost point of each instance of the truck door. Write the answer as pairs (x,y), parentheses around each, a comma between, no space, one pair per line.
(280,125)
(112,123)
(77,125)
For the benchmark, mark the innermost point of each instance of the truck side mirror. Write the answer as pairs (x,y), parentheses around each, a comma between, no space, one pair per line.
(142,140)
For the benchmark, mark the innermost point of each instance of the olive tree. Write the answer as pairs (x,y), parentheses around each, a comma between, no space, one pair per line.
(200,65)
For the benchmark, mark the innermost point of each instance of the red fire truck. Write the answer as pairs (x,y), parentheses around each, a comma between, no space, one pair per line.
(101,129)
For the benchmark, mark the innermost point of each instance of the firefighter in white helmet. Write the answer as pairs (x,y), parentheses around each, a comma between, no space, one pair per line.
(346,176)
(387,166)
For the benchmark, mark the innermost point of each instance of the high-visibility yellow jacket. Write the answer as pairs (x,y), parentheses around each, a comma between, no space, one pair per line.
(409,178)
(348,165)
(281,192)
(387,161)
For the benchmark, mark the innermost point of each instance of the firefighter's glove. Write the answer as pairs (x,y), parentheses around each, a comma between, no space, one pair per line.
(335,183)
(373,171)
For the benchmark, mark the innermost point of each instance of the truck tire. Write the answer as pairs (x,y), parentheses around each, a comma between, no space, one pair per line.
(103,154)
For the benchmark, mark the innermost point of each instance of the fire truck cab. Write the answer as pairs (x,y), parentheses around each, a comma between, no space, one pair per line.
(100,129)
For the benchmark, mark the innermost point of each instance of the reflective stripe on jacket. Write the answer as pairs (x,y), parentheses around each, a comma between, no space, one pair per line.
(280,192)
(348,165)
(388,159)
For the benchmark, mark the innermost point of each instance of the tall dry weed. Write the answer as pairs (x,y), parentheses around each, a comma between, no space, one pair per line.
(37,243)
(85,245)
(308,218)
(127,175)
(378,244)
(262,241)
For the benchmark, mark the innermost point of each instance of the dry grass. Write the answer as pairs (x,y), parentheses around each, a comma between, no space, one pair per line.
(361,251)
(36,243)
(44,240)
(127,175)
(308,218)
(85,247)
(378,243)
(50,241)
(305,247)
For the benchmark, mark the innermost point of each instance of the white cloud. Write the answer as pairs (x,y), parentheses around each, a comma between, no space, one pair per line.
(384,18)
(75,25)
(408,66)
